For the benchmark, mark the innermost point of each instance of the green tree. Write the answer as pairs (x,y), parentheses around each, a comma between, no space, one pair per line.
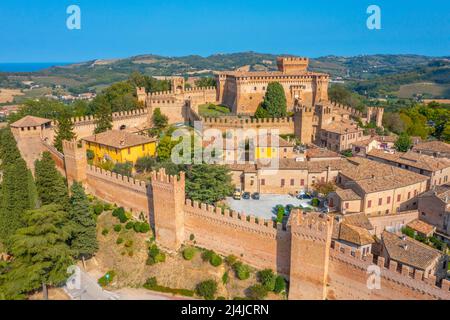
(64,131)
(103,115)
(160,122)
(83,240)
(205,82)
(274,103)
(324,188)
(257,292)
(49,182)
(17,192)
(41,253)
(267,278)
(207,289)
(208,183)
(124,169)
(403,143)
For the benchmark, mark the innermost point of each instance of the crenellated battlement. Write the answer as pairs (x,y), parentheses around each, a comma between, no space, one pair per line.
(199,89)
(162,177)
(310,225)
(237,220)
(236,120)
(390,271)
(115,178)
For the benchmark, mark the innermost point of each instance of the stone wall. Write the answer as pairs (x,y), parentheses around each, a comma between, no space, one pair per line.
(348,276)
(257,242)
(284,125)
(393,221)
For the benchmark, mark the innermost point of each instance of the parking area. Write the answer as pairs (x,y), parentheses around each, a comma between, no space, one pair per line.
(264,208)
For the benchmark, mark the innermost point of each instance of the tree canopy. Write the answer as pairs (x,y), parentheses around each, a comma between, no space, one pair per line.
(274,103)
(403,143)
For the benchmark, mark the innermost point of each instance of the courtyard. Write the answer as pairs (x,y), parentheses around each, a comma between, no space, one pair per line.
(265,206)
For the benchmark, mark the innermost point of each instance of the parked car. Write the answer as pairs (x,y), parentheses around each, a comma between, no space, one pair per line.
(237,194)
(256,196)
(246,195)
(304,196)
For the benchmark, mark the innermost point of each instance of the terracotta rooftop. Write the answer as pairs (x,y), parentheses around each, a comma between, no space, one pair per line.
(421,227)
(343,126)
(413,159)
(409,251)
(321,153)
(353,234)
(30,121)
(118,139)
(433,146)
(347,194)
(442,192)
(358,220)
(372,176)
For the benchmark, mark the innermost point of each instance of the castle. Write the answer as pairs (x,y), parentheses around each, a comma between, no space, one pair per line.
(303,249)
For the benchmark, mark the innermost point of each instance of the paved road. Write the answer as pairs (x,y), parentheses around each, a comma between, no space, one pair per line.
(83,286)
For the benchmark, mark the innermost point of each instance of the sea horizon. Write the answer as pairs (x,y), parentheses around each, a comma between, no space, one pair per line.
(29,66)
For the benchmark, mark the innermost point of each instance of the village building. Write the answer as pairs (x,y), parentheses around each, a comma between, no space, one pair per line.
(437,149)
(120,146)
(438,169)
(434,208)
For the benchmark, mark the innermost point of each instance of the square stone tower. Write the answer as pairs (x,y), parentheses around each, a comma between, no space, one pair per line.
(292,64)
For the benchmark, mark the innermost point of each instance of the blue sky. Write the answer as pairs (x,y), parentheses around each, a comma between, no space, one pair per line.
(35,30)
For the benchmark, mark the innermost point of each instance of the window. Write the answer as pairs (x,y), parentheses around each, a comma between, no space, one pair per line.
(409,194)
(129,150)
(263,182)
(369,203)
(380,201)
(346,205)
(282,182)
(302,182)
(143,147)
(292,182)
(399,197)
(388,200)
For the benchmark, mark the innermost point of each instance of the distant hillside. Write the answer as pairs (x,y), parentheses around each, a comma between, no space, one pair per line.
(362,72)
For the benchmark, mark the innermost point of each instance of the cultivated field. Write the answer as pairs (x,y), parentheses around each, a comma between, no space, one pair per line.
(7,95)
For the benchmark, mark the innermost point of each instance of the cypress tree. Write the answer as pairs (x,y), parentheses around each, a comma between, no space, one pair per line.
(50,184)
(83,226)
(274,104)
(64,131)
(103,115)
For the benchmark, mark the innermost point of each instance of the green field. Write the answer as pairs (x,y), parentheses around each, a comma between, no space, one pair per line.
(428,89)
(212,110)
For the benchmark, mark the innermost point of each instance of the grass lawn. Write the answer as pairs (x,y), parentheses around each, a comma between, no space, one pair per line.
(212,110)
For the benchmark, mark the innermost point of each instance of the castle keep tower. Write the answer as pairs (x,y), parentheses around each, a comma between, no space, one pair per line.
(168,209)
(75,161)
(310,252)
(292,64)
(303,124)
(375,115)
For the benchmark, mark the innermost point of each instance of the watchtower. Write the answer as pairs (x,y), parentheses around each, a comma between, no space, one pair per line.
(310,252)
(75,161)
(168,208)
(292,64)
(303,124)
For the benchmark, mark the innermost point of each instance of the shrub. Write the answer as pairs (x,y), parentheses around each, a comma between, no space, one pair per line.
(225,278)
(207,289)
(221,298)
(119,241)
(267,278)
(120,214)
(315,202)
(189,253)
(117,228)
(107,206)
(192,237)
(98,208)
(129,225)
(215,260)
(129,243)
(107,278)
(141,227)
(152,284)
(155,255)
(231,260)
(280,284)
(206,255)
(105,232)
(257,292)
(242,271)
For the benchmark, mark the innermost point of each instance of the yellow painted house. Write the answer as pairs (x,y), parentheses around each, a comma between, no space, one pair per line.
(120,146)
(266,149)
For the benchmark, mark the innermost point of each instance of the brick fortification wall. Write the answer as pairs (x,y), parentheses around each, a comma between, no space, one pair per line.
(284,125)
(255,241)
(347,279)
(302,251)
